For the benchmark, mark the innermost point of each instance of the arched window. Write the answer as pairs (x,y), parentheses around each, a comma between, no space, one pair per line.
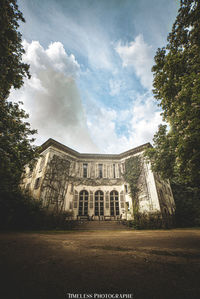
(99,203)
(83,203)
(114,203)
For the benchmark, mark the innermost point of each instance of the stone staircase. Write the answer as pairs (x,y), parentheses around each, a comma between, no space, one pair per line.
(100,225)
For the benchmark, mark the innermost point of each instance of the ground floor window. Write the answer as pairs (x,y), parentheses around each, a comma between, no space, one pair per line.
(99,203)
(114,203)
(83,203)
(86,206)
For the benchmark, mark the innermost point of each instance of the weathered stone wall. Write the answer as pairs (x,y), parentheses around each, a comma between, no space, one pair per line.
(55,184)
(165,196)
(58,178)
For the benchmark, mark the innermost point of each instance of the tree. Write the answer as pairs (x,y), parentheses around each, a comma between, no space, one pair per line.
(176,153)
(12,68)
(16,139)
(15,145)
(15,142)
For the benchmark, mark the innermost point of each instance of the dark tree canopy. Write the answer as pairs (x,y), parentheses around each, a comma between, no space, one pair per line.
(15,145)
(12,69)
(15,133)
(16,149)
(176,152)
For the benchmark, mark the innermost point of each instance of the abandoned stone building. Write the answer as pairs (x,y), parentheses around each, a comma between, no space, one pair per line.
(93,185)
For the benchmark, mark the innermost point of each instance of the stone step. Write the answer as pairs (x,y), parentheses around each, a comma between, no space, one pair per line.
(99,225)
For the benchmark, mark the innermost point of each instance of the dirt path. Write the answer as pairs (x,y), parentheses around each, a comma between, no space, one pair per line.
(148,264)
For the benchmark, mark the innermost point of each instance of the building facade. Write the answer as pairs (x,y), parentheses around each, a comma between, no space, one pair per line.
(93,185)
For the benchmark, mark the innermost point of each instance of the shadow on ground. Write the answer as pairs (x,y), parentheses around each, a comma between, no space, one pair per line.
(148,264)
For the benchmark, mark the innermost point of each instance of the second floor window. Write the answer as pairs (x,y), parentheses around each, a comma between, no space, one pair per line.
(114,174)
(100,170)
(85,167)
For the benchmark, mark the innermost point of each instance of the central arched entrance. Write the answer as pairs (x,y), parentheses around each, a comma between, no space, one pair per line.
(114,203)
(83,203)
(99,203)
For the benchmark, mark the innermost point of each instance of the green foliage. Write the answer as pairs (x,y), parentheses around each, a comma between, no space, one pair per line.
(187,201)
(131,176)
(15,145)
(162,155)
(16,148)
(15,151)
(176,84)
(15,141)
(18,211)
(147,221)
(57,221)
(12,69)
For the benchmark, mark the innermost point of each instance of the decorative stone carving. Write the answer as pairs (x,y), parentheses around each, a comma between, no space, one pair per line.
(96,182)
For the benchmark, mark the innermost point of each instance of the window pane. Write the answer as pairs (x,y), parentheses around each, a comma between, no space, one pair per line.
(85,166)
(83,203)
(100,170)
(114,175)
(99,205)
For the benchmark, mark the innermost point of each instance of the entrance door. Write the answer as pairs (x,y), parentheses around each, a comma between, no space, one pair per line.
(83,203)
(99,205)
(114,203)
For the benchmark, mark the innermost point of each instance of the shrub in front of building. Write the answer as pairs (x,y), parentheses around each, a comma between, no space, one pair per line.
(150,221)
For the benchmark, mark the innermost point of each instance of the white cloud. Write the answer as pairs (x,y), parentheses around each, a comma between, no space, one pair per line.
(145,119)
(115,86)
(54,58)
(51,96)
(141,122)
(139,55)
(88,40)
(102,126)
(52,99)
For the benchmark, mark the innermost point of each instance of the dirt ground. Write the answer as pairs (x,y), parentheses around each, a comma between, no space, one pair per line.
(148,264)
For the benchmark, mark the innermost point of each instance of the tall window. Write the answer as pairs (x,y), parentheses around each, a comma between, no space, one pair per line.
(114,174)
(91,200)
(114,203)
(83,203)
(99,205)
(85,167)
(100,170)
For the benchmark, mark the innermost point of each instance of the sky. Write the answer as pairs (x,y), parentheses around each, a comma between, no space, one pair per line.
(90,64)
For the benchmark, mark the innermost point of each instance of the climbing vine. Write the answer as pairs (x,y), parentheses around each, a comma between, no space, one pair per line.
(55,184)
(131,175)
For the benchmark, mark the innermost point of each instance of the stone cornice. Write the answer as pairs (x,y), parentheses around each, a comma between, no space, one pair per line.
(66,149)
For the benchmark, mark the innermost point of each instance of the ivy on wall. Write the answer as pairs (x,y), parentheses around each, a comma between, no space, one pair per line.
(55,184)
(131,176)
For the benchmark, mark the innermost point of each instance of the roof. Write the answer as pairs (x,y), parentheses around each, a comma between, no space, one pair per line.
(58,145)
